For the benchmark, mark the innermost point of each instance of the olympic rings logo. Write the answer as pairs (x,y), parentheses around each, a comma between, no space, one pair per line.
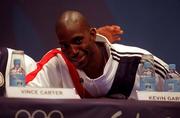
(23,112)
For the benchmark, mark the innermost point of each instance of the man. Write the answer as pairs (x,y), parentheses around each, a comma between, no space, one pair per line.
(6,55)
(102,69)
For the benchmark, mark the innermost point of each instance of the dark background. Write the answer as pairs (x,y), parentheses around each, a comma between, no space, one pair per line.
(151,24)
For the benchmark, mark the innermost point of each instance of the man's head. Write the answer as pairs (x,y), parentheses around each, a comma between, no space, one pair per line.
(76,38)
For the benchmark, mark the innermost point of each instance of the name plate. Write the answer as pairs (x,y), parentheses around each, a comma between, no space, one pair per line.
(158,96)
(42,93)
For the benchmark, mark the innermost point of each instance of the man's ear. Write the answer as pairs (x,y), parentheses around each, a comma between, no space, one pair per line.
(93,32)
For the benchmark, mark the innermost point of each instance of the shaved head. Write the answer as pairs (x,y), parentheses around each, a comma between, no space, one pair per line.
(71,20)
(78,42)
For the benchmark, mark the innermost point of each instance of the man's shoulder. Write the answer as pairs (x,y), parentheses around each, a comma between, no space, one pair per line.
(52,53)
(101,38)
(52,56)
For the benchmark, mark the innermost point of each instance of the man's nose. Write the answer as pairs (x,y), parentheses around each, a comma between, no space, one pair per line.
(74,49)
(74,52)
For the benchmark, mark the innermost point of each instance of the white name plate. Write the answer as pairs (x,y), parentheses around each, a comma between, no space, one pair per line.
(42,93)
(158,96)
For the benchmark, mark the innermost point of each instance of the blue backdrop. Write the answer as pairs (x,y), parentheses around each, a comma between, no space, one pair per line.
(150,24)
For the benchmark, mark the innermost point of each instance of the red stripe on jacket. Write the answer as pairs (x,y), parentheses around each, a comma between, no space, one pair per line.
(72,70)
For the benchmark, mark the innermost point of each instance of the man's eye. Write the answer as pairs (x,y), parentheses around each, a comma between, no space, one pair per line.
(78,40)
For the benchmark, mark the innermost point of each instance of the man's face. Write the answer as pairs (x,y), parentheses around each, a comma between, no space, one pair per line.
(77,44)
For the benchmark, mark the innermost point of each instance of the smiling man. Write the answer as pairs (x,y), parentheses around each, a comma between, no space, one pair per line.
(89,63)
(77,41)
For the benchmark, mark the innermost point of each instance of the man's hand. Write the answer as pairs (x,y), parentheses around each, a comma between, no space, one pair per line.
(112,32)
